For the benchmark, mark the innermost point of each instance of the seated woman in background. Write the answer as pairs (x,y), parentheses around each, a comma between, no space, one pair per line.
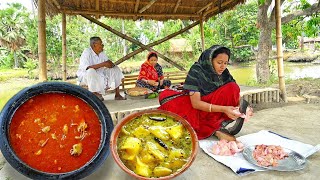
(151,75)
(211,96)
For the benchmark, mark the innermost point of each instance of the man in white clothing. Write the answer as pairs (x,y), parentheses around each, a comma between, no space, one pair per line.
(98,72)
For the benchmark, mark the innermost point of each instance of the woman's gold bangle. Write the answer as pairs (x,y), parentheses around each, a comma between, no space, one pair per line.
(210,107)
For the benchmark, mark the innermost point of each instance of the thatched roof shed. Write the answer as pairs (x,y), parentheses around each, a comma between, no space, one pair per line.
(180,45)
(160,10)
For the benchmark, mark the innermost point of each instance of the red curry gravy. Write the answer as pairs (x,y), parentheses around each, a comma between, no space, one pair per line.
(55,132)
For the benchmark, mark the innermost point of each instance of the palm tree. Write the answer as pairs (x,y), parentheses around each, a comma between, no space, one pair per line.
(12,29)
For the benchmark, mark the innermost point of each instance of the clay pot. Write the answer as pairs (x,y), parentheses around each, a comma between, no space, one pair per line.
(127,119)
(51,87)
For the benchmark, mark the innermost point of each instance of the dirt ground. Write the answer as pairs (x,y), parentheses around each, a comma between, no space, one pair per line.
(298,91)
(303,87)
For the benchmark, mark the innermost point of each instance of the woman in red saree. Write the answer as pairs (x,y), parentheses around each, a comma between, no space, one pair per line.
(210,97)
(151,75)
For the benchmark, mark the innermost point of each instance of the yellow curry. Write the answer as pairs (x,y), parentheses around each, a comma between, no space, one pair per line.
(154,145)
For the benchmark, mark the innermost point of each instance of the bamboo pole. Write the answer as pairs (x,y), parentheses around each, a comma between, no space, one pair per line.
(159,4)
(136,6)
(270,96)
(157,42)
(215,9)
(127,15)
(42,41)
(204,8)
(274,96)
(132,40)
(97,8)
(202,33)
(282,85)
(254,98)
(147,6)
(176,6)
(55,2)
(266,96)
(250,98)
(64,48)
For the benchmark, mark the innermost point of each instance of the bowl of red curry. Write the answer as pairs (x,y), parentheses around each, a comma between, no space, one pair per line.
(55,130)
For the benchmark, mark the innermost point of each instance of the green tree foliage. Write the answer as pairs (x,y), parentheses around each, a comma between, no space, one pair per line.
(312,26)
(12,33)
(290,32)
(300,26)
(235,29)
(53,38)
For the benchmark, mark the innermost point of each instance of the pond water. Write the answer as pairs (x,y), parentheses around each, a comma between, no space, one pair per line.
(246,73)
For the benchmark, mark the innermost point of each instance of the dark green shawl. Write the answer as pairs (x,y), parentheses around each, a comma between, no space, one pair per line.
(202,76)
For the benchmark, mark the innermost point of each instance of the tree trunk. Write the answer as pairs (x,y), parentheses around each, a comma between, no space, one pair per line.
(264,46)
(266,24)
(16,63)
(301,43)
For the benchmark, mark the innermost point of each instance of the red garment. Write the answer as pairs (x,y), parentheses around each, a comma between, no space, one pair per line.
(148,71)
(204,123)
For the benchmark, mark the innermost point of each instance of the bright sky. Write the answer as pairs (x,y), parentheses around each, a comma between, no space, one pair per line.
(26,3)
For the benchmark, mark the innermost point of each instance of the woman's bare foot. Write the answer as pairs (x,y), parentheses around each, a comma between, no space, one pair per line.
(119,97)
(224,135)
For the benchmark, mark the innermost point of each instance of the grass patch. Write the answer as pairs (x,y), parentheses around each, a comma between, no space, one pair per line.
(6,74)
(12,85)
(5,96)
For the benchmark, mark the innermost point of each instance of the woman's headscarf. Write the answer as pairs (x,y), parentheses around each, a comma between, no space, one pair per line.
(147,70)
(202,77)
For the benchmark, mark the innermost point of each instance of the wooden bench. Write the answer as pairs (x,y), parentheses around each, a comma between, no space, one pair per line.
(176,78)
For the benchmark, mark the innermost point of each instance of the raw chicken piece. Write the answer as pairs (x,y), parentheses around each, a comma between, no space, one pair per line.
(227,148)
(240,145)
(233,147)
(225,151)
(237,111)
(216,149)
(222,142)
(268,155)
(247,115)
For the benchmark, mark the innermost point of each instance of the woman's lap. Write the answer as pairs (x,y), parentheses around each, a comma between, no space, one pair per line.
(204,123)
(140,83)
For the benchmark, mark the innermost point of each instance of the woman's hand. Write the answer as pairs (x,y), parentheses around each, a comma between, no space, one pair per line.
(161,82)
(232,112)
